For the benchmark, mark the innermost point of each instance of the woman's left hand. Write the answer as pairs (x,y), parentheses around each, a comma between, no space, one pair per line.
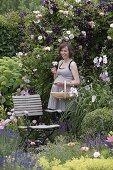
(59,84)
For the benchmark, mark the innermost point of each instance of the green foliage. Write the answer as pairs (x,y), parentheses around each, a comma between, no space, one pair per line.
(63,150)
(90,97)
(10,33)
(37,68)
(77,164)
(98,121)
(8,142)
(14,5)
(10,71)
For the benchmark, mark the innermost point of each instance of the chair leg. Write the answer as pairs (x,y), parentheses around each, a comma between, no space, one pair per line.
(48,134)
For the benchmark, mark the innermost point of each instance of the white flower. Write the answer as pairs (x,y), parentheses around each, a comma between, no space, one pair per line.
(25,112)
(66,38)
(38,56)
(80,46)
(109,38)
(12,110)
(111,25)
(96,154)
(12,118)
(34,70)
(104,59)
(9,113)
(54,63)
(65,13)
(15,120)
(95,60)
(66,4)
(47,48)
(100,59)
(93,98)
(77,1)
(20,64)
(84,148)
(36,12)
(61,11)
(92,24)
(73,91)
(51,11)
(38,16)
(49,31)
(106,73)
(40,37)
(32,37)
(34,121)
(19,54)
(84,33)
(87,87)
(36,22)
(68,32)
(59,40)
(71,6)
(101,14)
(71,36)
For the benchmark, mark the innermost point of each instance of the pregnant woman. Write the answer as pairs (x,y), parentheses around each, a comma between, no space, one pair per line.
(66,71)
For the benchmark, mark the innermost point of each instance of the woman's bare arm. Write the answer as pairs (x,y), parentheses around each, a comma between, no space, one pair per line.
(74,70)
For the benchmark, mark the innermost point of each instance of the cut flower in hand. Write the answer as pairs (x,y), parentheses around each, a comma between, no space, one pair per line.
(54,63)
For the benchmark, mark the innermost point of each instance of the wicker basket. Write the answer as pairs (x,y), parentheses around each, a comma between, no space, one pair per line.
(62,95)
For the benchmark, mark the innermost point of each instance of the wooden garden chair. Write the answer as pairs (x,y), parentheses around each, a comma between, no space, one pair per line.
(31,105)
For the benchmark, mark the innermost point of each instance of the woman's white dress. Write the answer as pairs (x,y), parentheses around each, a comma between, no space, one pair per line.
(62,75)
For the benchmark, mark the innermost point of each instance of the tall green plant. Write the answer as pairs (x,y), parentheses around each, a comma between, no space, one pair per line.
(90,97)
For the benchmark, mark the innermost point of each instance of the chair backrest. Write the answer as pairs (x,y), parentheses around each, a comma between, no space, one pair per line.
(30,103)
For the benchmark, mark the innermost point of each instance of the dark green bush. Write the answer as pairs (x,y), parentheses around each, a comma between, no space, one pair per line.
(99,121)
(11,33)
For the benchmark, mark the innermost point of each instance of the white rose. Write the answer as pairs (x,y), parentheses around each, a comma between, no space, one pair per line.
(68,32)
(111,25)
(109,38)
(101,14)
(40,37)
(47,48)
(96,154)
(77,1)
(19,54)
(71,36)
(65,12)
(54,63)
(83,33)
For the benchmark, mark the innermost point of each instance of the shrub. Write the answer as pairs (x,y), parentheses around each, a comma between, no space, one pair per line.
(97,122)
(77,164)
(10,79)
(11,34)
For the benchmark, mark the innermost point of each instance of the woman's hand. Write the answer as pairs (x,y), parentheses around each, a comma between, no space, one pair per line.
(60,84)
(54,70)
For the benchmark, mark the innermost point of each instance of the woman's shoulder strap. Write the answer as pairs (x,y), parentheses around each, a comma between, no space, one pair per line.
(70,64)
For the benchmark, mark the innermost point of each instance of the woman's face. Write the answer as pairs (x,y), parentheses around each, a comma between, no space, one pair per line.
(64,53)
